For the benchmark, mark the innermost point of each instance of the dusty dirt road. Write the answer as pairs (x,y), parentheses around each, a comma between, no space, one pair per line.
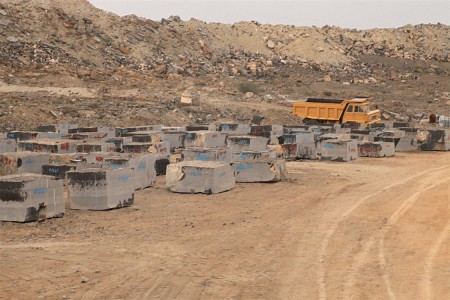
(368,229)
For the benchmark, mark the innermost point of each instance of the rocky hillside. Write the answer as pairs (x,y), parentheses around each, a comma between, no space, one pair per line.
(71,43)
(76,33)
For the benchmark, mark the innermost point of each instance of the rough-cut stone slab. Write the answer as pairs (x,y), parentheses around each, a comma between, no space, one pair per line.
(143,167)
(260,171)
(234,128)
(30,197)
(208,177)
(22,162)
(223,154)
(338,150)
(241,143)
(100,189)
(8,145)
(433,139)
(376,149)
(50,146)
(206,139)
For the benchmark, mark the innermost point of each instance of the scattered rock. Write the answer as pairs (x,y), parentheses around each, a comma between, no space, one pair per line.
(249,95)
(12,39)
(84,279)
(270,44)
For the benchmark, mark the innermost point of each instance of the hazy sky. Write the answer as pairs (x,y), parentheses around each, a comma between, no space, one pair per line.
(345,13)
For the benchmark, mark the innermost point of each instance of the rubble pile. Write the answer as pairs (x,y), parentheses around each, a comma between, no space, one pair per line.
(71,62)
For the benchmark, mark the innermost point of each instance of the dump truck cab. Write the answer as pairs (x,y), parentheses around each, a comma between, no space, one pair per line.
(355,110)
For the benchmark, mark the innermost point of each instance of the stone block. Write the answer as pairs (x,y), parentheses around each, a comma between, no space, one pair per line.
(47,128)
(58,170)
(56,158)
(22,135)
(97,157)
(100,189)
(254,156)
(173,129)
(234,128)
(64,128)
(201,127)
(89,147)
(109,132)
(433,139)
(206,139)
(119,141)
(125,131)
(49,146)
(206,154)
(143,167)
(146,136)
(49,136)
(241,143)
(305,142)
(260,171)
(376,149)
(208,177)
(175,139)
(338,150)
(272,132)
(136,147)
(8,145)
(22,162)
(287,151)
(405,140)
(30,197)
(160,148)
(291,129)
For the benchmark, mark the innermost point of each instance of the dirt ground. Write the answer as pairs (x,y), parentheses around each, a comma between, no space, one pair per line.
(368,229)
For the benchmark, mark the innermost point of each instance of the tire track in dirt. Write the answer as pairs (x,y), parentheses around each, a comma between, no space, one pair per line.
(392,220)
(361,257)
(426,287)
(321,274)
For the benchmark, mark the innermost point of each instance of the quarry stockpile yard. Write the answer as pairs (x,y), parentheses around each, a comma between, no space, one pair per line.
(180,159)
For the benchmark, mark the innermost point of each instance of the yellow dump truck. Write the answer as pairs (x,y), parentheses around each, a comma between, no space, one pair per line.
(354,110)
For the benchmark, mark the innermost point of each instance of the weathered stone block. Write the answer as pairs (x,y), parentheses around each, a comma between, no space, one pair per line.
(306,144)
(338,150)
(89,147)
(100,189)
(190,154)
(241,143)
(160,148)
(405,139)
(254,156)
(272,132)
(206,139)
(8,145)
(22,135)
(285,151)
(30,197)
(175,139)
(143,167)
(259,171)
(433,139)
(58,170)
(22,162)
(234,128)
(124,131)
(208,177)
(136,147)
(376,149)
(50,146)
